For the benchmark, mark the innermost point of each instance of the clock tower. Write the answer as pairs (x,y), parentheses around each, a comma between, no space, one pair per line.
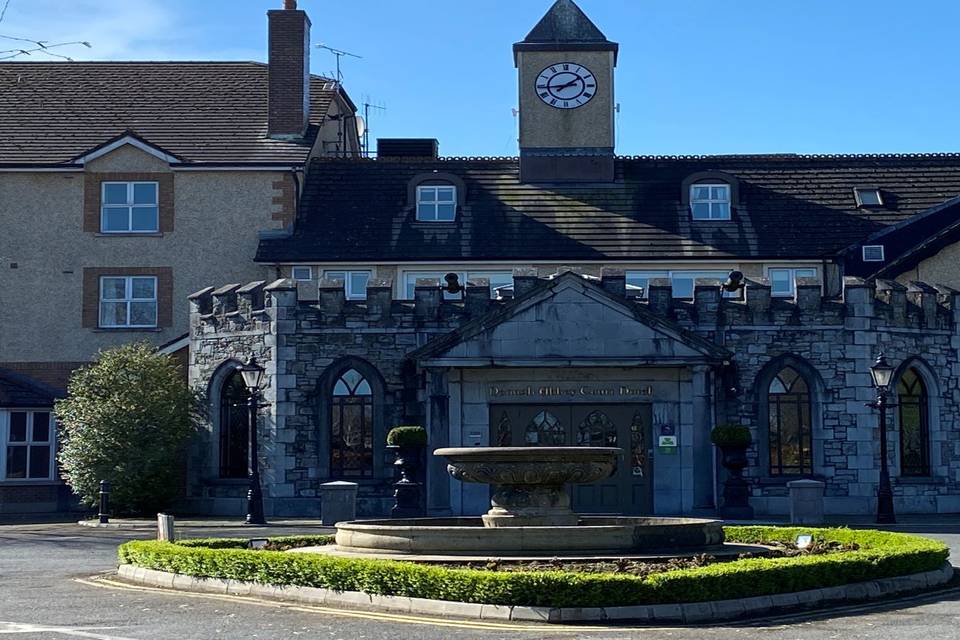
(566,98)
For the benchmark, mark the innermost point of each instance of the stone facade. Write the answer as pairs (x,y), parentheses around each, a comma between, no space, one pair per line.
(698,363)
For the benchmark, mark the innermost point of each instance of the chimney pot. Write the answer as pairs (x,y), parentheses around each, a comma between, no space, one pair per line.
(290,5)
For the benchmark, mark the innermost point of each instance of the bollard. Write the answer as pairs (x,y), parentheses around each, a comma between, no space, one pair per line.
(165,528)
(104,514)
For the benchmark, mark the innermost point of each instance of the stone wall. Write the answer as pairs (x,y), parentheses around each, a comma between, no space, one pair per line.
(301,342)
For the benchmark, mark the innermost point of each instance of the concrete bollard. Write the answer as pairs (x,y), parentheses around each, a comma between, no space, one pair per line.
(338,502)
(165,528)
(806,501)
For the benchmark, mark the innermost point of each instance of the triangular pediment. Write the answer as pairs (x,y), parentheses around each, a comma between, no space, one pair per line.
(569,321)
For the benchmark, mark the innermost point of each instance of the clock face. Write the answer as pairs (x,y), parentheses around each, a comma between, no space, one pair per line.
(566,85)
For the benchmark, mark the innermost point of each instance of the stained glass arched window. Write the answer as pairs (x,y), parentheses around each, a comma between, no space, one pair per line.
(351,424)
(790,436)
(233,427)
(597,430)
(914,425)
(545,430)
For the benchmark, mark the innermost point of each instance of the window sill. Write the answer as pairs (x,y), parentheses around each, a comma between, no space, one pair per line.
(29,482)
(127,330)
(131,234)
(781,481)
(429,224)
(938,480)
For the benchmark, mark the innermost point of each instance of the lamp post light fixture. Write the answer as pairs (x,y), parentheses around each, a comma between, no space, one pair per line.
(252,374)
(882,374)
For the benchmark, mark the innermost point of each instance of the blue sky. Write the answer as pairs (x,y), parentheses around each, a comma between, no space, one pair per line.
(694,76)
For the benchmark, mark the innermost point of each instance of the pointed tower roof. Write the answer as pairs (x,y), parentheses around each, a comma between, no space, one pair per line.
(565,27)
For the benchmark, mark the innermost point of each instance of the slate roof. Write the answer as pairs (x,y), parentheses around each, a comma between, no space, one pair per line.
(19,391)
(213,112)
(791,207)
(565,22)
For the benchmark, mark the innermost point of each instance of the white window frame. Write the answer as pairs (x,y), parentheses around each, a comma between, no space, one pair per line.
(410,280)
(5,442)
(874,247)
(128,299)
(650,274)
(347,275)
(293,273)
(129,206)
(858,195)
(792,279)
(711,201)
(436,202)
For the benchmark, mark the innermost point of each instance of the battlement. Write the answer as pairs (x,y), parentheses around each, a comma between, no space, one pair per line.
(887,303)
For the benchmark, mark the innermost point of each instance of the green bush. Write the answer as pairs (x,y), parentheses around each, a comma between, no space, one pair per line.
(407,437)
(127,419)
(735,435)
(880,555)
(276,543)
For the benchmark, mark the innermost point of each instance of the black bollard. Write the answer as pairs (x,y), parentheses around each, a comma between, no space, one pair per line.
(104,514)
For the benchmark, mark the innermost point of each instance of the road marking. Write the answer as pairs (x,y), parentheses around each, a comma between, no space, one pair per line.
(10,628)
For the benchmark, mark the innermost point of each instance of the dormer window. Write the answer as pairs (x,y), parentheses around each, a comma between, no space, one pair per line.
(868,197)
(436,203)
(710,201)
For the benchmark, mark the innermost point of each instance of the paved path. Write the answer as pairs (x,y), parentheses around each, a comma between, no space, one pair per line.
(46,592)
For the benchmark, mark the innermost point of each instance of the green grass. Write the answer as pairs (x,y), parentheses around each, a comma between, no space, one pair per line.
(879,554)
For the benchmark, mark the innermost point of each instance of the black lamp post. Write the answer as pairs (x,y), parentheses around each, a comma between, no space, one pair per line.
(252,374)
(882,374)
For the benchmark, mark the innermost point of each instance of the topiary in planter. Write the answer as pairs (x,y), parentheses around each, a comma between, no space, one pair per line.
(409,442)
(733,440)
(408,436)
(731,435)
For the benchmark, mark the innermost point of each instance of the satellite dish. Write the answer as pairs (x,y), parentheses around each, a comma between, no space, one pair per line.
(361,126)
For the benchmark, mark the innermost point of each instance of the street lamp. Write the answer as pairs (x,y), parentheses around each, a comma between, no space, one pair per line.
(252,374)
(882,374)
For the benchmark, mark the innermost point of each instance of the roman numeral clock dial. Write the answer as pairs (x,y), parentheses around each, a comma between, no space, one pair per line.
(566,85)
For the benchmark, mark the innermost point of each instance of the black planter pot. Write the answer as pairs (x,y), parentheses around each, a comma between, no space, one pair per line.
(407,491)
(736,491)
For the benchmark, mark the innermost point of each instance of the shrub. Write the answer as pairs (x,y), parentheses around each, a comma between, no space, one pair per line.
(880,555)
(731,435)
(407,437)
(277,543)
(127,419)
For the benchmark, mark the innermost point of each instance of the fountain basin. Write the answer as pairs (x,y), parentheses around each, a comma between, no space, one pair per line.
(591,535)
(529,482)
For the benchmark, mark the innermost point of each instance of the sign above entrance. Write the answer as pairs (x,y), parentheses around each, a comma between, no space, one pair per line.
(571,391)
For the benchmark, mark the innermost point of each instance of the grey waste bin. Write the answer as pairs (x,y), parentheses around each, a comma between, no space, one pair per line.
(338,502)
(806,501)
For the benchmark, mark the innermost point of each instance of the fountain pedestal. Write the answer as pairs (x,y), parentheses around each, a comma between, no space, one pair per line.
(530,490)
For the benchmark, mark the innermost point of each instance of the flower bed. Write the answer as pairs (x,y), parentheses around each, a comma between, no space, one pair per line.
(878,554)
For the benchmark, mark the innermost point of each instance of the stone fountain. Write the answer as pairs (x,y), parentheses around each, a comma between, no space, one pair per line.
(530,514)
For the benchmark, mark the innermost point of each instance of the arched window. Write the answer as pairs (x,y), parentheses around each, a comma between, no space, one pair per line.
(351,427)
(790,433)
(545,430)
(914,424)
(597,430)
(233,427)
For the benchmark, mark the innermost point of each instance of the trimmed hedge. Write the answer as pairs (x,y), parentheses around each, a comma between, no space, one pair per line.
(880,555)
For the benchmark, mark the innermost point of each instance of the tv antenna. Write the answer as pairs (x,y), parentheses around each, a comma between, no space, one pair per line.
(366,119)
(339,53)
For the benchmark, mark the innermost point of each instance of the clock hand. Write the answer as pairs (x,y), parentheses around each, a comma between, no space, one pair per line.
(567,85)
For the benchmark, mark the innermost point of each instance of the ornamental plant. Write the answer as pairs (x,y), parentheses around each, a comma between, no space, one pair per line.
(731,435)
(407,436)
(127,419)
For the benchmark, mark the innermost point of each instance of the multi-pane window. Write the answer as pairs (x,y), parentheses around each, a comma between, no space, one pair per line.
(682,281)
(914,425)
(234,427)
(302,274)
(129,207)
(436,203)
(783,282)
(354,282)
(790,435)
(29,445)
(128,301)
(710,201)
(498,280)
(351,427)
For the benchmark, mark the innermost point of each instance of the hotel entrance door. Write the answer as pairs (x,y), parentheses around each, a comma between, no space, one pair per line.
(628,490)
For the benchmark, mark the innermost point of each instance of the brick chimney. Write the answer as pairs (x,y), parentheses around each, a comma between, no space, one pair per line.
(289,71)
